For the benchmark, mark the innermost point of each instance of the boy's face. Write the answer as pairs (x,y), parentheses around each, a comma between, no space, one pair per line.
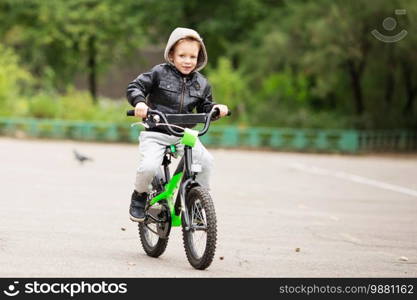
(185,56)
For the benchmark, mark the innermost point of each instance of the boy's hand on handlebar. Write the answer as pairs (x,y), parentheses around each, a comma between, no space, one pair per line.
(222,108)
(141,110)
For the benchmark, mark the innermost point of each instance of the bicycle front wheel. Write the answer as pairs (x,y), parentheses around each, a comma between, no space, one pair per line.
(200,239)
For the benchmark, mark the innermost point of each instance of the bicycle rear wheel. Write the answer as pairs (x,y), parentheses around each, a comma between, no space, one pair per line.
(154,235)
(154,231)
(200,239)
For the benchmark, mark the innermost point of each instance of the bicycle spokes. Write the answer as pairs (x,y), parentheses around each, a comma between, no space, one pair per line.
(198,217)
(198,234)
(151,234)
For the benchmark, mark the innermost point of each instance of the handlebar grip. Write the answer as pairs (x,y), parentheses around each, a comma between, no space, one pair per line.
(217,112)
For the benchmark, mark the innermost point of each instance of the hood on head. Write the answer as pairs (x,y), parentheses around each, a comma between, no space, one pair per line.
(180,33)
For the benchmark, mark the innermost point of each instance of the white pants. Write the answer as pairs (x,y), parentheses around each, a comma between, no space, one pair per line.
(151,153)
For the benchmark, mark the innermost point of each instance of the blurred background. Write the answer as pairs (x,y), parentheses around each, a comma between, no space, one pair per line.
(321,64)
(326,76)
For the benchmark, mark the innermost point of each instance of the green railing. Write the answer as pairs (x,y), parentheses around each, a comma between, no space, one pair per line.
(284,139)
(387,140)
(348,141)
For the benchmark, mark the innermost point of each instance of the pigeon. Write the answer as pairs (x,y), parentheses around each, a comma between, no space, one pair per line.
(81,158)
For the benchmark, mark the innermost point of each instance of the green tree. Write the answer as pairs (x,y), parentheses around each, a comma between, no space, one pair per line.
(60,38)
(230,87)
(222,24)
(330,42)
(13,80)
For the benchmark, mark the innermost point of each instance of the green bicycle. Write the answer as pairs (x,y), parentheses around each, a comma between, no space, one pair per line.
(193,208)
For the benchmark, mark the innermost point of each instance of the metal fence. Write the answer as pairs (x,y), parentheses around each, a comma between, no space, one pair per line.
(346,141)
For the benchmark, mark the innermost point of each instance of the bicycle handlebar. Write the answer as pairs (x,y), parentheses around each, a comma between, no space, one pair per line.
(213,114)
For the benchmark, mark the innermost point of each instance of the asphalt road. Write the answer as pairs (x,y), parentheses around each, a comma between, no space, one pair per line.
(279,214)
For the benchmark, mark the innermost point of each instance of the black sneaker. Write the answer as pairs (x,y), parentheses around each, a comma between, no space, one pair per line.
(137,206)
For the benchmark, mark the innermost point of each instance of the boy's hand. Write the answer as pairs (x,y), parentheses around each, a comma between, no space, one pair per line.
(223,109)
(141,110)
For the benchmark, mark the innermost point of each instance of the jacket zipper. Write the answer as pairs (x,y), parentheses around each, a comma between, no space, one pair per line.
(182,94)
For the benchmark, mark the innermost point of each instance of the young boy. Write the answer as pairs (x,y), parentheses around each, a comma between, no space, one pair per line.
(172,87)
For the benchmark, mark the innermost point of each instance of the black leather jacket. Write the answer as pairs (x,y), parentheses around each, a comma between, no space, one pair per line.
(164,88)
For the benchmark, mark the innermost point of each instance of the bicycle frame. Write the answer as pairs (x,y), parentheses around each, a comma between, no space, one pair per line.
(180,180)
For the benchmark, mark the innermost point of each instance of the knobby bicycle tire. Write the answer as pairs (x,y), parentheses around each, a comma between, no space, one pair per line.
(201,196)
(151,250)
(159,248)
